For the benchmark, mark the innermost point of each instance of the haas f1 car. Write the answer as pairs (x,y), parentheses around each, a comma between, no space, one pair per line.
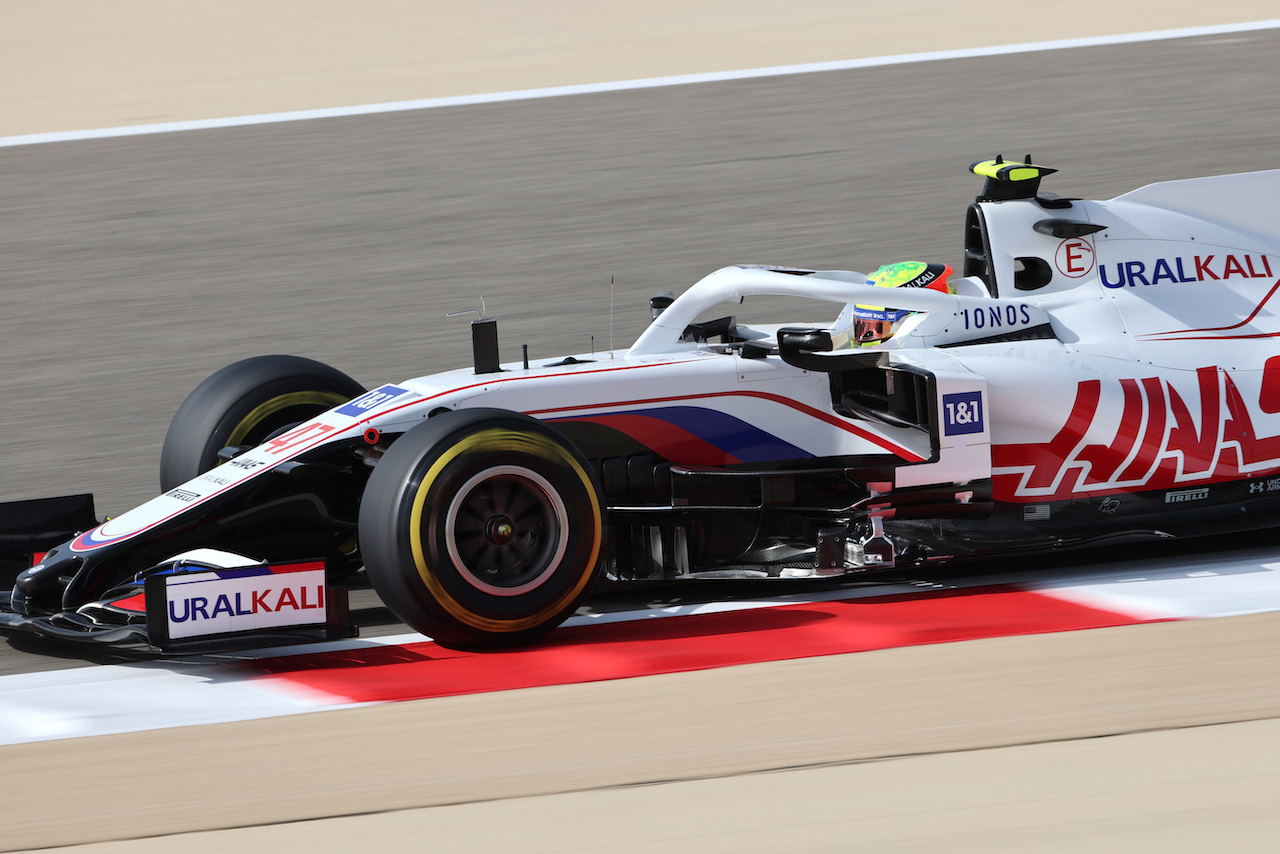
(1099,372)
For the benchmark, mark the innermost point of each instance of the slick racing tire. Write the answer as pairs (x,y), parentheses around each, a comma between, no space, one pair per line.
(482,528)
(245,404)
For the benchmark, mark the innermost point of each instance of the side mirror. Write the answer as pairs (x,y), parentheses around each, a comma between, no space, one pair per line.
(811,350)
(660,302)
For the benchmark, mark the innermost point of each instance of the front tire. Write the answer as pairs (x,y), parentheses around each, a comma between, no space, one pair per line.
(482,528)
(245,403)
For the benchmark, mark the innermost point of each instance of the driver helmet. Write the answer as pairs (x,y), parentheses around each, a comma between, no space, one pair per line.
(875,324)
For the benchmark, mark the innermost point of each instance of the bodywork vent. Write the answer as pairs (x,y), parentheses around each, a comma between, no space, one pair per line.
(977,249)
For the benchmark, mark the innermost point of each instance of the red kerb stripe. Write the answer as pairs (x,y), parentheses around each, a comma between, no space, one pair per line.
(669,645)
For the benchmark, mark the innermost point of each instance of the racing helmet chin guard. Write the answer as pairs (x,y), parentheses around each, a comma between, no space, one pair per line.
(877,324)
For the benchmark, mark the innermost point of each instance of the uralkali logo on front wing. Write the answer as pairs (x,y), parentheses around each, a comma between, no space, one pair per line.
(244,600)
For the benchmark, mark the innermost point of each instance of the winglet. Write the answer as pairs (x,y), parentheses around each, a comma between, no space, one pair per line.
(1007,180)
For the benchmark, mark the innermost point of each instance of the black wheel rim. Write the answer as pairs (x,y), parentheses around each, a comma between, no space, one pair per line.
(505,530)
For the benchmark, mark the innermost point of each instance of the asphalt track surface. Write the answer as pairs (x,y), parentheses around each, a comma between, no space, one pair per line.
(136,267)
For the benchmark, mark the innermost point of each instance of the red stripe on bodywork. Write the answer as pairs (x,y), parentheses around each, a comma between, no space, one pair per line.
(1104,460)
(310,566)
(669,440)
(647,647)
(1186,334)
(827,417)
(1046,460)
(136,602)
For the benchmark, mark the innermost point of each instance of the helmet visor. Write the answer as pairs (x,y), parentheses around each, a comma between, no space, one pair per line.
(872,331)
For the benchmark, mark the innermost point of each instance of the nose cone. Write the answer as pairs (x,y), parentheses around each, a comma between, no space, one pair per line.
(44,580)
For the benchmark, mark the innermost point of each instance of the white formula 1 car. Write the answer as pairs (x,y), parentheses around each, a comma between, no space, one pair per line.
(1102,371)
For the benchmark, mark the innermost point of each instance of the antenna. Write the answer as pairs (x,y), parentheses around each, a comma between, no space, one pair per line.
(611,317)
(481,314)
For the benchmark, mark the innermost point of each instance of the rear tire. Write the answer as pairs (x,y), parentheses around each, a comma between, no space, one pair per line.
(245,403)
(482,528)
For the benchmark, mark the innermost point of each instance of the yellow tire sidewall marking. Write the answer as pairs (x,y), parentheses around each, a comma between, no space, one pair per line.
(323,399)
(498,439)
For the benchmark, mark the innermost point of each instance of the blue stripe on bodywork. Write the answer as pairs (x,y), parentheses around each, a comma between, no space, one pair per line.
(727,432)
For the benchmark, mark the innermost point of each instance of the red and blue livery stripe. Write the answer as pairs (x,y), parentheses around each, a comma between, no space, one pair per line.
(693,435)
(245,571)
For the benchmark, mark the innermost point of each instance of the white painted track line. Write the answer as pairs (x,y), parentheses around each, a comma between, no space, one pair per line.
(123,698)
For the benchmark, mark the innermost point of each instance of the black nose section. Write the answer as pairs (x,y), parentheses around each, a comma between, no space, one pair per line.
(46,579)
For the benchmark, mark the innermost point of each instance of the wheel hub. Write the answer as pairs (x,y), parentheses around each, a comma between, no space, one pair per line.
(499,530)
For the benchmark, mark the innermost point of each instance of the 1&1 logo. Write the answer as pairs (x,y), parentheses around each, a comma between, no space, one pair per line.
(962,413)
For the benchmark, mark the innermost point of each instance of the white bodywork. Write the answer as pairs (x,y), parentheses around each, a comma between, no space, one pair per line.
(1159,374)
